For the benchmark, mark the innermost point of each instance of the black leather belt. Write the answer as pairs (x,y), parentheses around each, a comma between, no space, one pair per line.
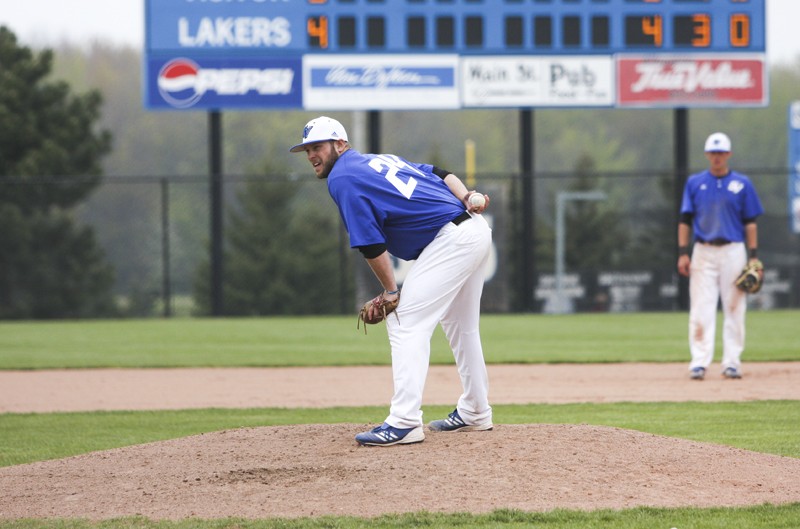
(461,218)
(715,242)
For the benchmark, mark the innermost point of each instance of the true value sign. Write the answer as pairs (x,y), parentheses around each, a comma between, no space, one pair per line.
(702,81)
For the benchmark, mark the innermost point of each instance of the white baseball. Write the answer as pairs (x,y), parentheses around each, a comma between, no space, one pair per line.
(477,200)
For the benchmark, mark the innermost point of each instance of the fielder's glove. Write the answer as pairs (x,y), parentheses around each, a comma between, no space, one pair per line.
(376,310)
(751,278)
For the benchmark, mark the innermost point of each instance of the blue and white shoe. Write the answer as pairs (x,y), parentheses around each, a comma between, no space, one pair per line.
(454,422)
(697,373)
(731,372)
(385,435)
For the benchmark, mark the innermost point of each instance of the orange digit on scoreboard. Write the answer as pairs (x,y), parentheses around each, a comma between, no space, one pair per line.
(740,30)
(702,31)
(653,26)
(317,28)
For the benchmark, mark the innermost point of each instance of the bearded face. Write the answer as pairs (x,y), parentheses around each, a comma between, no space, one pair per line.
(322,156)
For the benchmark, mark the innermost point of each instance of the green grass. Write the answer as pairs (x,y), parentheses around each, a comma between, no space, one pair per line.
(321,341)
(760,517)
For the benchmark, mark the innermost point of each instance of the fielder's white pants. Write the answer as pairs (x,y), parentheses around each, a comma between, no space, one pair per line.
(713,272)
(443,286)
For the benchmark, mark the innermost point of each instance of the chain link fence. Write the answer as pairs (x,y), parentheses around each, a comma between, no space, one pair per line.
(283,240)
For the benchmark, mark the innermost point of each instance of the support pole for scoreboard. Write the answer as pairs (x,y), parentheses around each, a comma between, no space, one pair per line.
(527,252)
(681,142)
(374,126)
(215,191)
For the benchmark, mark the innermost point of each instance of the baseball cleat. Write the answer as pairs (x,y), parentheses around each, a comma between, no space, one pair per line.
(731,372)
(454,422)
(697,373)
(385,435)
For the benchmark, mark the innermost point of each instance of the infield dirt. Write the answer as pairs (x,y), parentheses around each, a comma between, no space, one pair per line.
(312,470)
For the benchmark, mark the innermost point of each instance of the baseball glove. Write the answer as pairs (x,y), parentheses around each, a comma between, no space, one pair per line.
(376,310)
(751,278)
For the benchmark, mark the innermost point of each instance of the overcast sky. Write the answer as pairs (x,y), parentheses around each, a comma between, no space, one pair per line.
(47,22)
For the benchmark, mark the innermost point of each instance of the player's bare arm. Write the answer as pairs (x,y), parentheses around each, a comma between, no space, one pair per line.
(683,249)
(382,268)
(751,238)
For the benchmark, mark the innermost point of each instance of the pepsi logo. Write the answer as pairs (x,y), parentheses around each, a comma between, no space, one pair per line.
(177,82)
(182,82)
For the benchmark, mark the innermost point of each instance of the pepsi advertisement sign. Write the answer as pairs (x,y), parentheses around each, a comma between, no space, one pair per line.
(182,83)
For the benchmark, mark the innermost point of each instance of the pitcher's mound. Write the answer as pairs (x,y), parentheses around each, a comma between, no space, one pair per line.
(313,470)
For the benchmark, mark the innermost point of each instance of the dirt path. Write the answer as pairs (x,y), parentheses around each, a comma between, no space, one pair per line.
(313,470)
(142,389)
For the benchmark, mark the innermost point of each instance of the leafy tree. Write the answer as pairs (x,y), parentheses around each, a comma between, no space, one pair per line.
(281,252)
(49,266)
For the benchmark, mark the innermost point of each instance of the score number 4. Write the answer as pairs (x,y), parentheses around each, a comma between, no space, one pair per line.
(317,29)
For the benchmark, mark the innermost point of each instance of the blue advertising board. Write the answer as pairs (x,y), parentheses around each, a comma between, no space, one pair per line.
(183,83)
(794,166)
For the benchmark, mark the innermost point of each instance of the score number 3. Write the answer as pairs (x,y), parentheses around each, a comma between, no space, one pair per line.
(692,30)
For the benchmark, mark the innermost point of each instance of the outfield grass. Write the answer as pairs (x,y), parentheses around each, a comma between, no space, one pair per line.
(316,341)
(768,426)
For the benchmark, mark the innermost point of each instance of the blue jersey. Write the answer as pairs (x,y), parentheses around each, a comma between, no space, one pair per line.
(720,205)
(384,199)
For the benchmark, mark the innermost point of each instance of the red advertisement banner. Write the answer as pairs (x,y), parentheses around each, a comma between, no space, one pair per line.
(691,81)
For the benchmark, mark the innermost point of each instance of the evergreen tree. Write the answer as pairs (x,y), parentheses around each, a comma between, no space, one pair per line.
(281,252)
(49,266)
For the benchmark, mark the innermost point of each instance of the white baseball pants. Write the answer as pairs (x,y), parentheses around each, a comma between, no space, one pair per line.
(443,286)
(713,272)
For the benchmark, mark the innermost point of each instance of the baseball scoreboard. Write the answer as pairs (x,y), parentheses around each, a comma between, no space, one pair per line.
(253,33)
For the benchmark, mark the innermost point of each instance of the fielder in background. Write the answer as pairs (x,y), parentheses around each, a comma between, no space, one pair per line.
(721,207)
(415,212)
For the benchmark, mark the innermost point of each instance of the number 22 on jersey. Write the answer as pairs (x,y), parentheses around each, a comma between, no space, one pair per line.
(391,164)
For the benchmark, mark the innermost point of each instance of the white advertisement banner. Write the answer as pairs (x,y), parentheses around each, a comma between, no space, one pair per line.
(537,81)
(380,82)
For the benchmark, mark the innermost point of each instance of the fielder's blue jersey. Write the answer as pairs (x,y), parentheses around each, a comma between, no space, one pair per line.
(384,199)
(720,205)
